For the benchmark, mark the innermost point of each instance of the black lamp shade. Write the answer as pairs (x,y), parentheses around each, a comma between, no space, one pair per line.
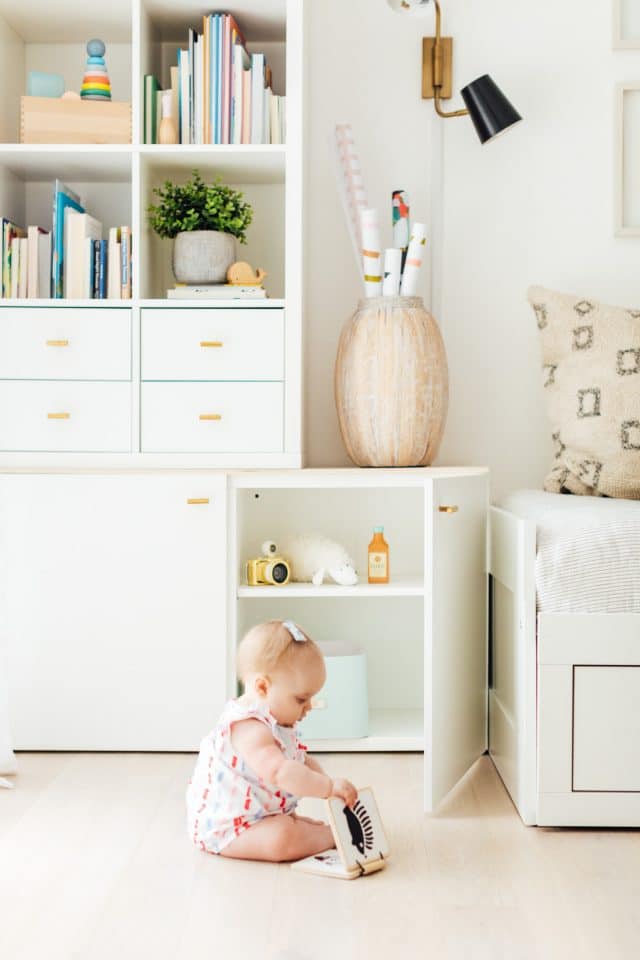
(488,107)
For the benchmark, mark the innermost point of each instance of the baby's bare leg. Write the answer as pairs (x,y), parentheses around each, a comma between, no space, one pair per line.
(280,837)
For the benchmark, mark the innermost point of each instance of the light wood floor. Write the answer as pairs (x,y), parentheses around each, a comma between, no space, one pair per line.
(95,865)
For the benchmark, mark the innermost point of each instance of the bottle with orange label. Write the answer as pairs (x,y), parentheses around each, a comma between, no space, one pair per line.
(378,557)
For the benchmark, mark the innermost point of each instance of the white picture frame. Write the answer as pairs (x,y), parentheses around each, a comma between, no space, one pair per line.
(627,173)
(626,24)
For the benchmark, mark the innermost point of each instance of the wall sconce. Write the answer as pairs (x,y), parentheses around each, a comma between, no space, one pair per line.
(485,103)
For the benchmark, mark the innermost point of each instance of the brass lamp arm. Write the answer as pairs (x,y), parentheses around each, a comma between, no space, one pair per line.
(437,72)
(445,113)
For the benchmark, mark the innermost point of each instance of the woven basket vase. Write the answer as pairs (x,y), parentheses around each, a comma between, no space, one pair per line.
(391,384)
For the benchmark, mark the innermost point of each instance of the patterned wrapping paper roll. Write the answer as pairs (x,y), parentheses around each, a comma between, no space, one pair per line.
(414,260)
(400,212)
(350,184)
(392,270)
(371,255)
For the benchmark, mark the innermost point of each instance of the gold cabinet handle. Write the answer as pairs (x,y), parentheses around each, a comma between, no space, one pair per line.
(194,500)
(211,343)
(58,416)
(451,509)
(57,343)
(210,416)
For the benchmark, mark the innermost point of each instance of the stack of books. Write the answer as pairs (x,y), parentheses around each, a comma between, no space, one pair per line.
(70,261)
(218,291)
(220,92)
(26,261)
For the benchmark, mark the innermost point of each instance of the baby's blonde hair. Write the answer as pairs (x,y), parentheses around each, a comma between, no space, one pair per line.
(270,646)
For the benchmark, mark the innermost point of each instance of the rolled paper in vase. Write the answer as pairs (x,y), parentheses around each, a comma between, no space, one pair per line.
(400,221)
(414,260)
(371,255)
(350,183)
(392,267)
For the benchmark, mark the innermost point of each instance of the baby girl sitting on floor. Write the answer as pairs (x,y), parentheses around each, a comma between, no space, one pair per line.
(252,768)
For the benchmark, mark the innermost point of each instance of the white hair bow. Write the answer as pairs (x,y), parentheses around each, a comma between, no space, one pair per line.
(295,631)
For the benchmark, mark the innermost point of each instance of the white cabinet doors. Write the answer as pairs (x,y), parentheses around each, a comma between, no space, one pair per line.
(512,683)
(455,663)
(114,609)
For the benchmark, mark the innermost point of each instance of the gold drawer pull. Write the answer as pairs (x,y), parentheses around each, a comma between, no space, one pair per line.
(210,416)
(452,509)
(194,500)
(211,343)
(58,416)
(57,343)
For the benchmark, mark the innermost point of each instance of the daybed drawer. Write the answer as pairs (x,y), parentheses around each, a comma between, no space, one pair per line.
(214,344)
(606,728)
(65,416)
(211,417)
(50,343)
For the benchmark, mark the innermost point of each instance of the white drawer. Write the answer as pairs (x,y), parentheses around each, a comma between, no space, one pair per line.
(51,343)
(211,417)
(65,416)
(214,344)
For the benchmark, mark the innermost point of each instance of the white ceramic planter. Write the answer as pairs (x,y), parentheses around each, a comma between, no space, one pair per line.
(203,256)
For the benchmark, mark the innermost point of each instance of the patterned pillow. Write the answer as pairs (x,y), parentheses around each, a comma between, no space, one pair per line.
(591,367)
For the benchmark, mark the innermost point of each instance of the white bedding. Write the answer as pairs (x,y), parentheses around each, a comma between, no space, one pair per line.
(588,551)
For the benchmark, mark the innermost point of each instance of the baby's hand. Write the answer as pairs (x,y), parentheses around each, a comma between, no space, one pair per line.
(345,790)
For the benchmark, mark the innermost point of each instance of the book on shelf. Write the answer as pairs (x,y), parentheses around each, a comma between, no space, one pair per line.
(246,106)
(63,197)
(125,263)
(70,261)
(38,263)
(14,265)
(114,265)
(10,230)
(191,83)
(78,228)
(221,94)
(22,274)
(99,269)
(175,109)
(183,73)
(151,87)
(216,291)
(241,68)
(257,97)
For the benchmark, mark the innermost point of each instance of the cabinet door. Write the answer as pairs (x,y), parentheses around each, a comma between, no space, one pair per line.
(455,663)
(115,609)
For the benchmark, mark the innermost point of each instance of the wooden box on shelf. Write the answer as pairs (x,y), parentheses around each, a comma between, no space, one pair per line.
(53,120)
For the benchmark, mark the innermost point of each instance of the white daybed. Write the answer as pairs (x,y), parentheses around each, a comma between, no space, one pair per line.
(564,699)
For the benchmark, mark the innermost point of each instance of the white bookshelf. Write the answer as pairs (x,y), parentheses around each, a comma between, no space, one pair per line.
(116,181)
(419,636)
(386,621)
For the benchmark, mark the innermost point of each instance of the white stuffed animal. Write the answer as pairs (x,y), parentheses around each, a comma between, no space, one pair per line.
(313,557)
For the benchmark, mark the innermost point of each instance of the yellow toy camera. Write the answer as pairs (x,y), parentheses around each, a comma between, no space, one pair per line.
(268,569)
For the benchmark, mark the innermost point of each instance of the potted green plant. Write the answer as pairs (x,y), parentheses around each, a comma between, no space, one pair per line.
(204,221)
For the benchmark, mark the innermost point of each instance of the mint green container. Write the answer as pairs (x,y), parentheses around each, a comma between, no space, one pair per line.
(343,706)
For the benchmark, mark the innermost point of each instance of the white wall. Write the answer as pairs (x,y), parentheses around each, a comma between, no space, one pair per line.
(534,206)
(365,67)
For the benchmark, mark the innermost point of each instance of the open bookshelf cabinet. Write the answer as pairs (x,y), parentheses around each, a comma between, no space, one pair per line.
(116,181)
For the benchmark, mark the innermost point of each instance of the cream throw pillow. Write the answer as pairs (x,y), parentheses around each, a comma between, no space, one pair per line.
(591,375)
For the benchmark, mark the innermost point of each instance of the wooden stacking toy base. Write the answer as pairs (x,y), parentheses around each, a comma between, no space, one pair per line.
(391,384)
(52,120)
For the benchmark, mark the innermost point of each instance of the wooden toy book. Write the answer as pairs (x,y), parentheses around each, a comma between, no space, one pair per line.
(361,843)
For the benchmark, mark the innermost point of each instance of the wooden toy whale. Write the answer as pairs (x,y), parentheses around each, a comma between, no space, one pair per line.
(241,274)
